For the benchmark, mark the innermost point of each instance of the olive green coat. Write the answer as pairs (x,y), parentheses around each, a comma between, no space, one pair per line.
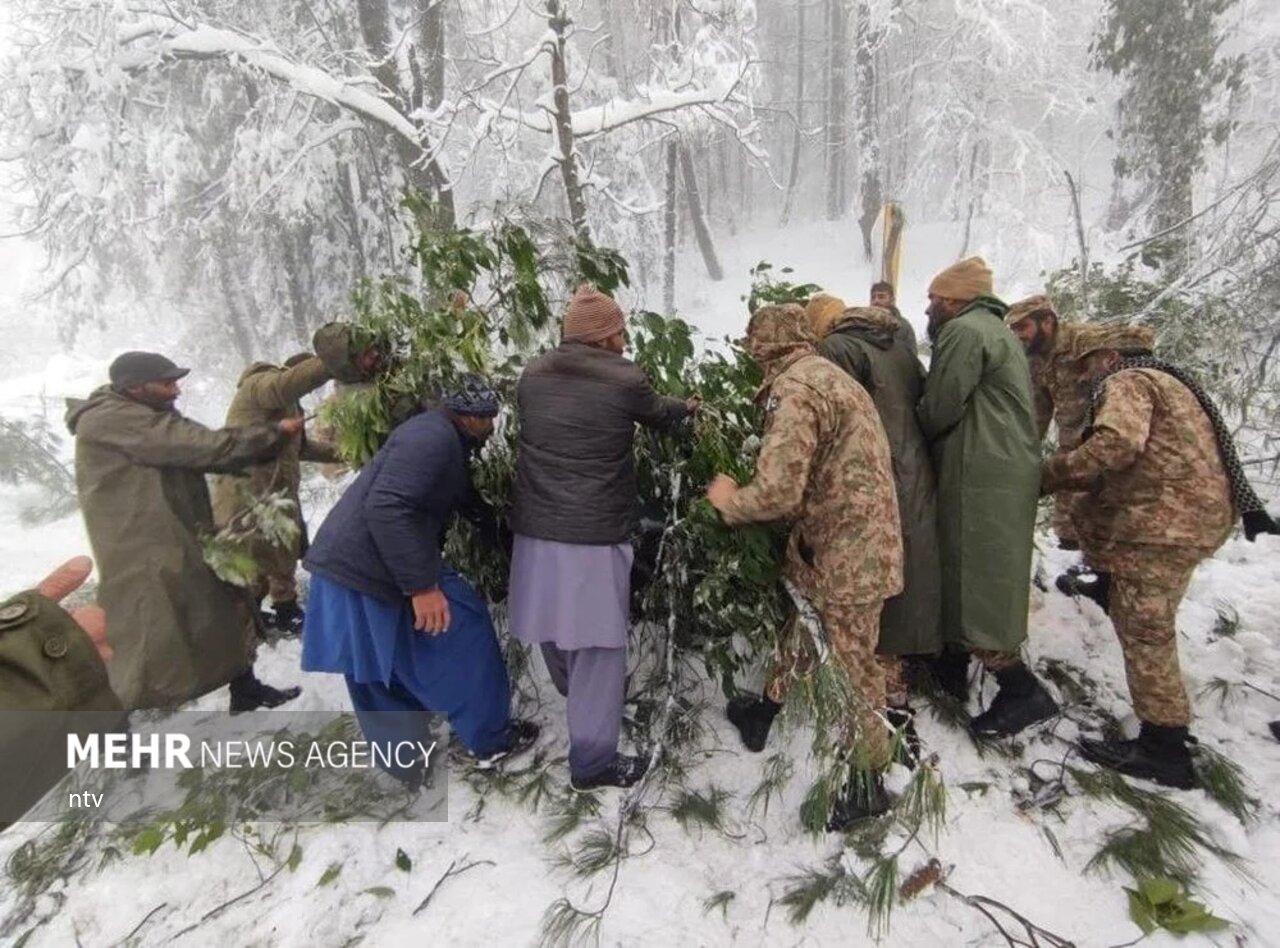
(882,357)
(978,416)
(52,684)
(266,394)
(177,630)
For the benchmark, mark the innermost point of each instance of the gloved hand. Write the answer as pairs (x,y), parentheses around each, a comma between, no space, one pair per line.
(1258,521)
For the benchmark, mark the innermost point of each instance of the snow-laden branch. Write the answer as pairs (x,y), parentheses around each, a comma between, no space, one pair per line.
(174,41)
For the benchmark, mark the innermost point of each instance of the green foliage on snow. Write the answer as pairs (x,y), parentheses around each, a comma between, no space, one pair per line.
(1161,902)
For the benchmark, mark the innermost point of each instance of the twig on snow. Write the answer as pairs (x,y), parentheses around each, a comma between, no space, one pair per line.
(453,870)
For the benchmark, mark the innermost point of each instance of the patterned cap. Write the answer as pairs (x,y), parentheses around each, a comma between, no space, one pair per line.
(473,396)
(1121,338)
(1031,306)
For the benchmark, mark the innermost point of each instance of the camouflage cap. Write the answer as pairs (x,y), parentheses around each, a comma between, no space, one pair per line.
(1121,338)
(1031,306)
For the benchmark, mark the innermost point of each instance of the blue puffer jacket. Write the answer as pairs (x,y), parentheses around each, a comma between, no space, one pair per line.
(383,537)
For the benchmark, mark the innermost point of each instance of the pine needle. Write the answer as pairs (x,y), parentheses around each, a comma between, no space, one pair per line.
(704,809)
(882,894)
(777,772)
(564,926)
(1224,781)
(719,901)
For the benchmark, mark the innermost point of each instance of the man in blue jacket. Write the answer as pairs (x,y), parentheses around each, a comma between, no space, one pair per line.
(411,635)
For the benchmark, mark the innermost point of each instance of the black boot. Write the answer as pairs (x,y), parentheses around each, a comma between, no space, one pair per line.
(521,735)
(288,618)
(753,717)
(1275,729)
(249,694)
(864,797)
(1092,584)
(1021,702)
(906,747)
(625,771)
(1159,753)
(950,673)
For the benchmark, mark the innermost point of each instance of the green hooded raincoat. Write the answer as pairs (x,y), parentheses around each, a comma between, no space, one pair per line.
(978,415)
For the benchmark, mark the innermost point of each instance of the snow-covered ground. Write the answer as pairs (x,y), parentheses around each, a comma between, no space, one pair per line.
(996,848)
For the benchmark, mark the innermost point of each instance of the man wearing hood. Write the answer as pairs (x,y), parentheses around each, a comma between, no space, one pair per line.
(825,468)
(178,631)
(266,394)
(868,342)
(1162,487)
(410,635)
(978,416)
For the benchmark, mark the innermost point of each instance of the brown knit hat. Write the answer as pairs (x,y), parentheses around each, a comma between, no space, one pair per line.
(822,312)
(1031,306)
(965,281)
(592,316)
(1125,339)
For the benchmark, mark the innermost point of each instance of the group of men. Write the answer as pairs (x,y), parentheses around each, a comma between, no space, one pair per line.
(911,497)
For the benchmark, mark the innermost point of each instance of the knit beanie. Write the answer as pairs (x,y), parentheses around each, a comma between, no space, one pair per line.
(472,396)
(1031,306)
(964,281)
(592,316)
(823,311)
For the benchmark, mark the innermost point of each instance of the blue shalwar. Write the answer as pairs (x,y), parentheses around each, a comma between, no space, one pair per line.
(379,545)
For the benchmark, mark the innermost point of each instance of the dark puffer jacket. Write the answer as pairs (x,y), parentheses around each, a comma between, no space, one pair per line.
(575,475)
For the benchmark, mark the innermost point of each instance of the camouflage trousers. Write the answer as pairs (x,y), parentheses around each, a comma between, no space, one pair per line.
(281,587)
(852,631)
(1063,525)
(1147,584)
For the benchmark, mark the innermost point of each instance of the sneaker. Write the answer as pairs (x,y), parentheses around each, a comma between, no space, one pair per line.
(1021,702)
(864,798)
(906,748)
(288,618)
(250,694)
(625,771)
(753,716)
(521,735)
(1159,753)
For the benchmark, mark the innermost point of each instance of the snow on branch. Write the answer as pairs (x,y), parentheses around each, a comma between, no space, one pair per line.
(174,41)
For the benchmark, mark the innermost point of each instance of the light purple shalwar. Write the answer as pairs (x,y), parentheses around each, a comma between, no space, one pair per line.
(574,602)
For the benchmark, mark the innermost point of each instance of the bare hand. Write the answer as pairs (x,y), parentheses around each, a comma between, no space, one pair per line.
(290,426)
(65,580)
(721,491)
(430,611)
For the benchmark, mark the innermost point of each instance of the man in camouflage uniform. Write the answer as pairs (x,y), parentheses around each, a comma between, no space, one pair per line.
(53,684)
(1157,499)
(1061,396)
(266,394)
(824,466)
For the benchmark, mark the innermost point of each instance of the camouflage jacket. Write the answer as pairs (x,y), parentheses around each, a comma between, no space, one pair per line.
(1151,468)
(1060,394)
(824,466)
(265,394)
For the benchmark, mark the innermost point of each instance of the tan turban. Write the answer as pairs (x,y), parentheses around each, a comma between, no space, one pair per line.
(822,312)
(964,281)
(592,316)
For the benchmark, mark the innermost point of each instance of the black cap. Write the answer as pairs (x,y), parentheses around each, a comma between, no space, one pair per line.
(139,368)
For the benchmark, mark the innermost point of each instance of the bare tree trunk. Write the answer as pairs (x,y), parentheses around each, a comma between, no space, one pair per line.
(867,133)
(1084,245)
(669,233)
(237,323)
(700,229)
(797,139)
(568,158)
(837,95)
(422,173)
